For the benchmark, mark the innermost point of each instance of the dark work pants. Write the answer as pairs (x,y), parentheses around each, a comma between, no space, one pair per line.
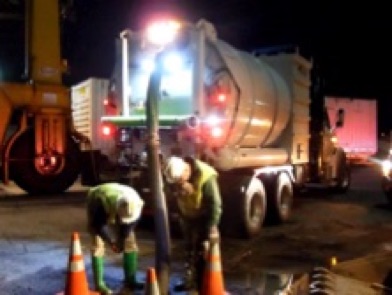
(195,232)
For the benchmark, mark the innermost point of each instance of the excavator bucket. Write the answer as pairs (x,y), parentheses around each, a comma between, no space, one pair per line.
(368,275)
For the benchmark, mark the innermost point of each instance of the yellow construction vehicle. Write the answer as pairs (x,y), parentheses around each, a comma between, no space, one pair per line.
(40,150)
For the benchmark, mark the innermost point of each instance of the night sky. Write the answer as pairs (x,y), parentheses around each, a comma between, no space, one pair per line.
(347,40)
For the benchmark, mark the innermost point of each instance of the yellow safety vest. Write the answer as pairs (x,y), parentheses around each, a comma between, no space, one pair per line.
(190,204)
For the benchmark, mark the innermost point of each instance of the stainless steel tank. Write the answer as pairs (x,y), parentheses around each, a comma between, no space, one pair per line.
(258,106)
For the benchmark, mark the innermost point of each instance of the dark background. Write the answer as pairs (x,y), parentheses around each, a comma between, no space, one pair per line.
(348,41)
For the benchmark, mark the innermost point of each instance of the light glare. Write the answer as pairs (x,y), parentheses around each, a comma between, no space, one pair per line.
(216,132)
(163,32)
(386,167)
(147,65)
(213,120)
(173,62)
(106,130)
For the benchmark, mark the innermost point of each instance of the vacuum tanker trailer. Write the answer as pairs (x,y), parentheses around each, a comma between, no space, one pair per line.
(247,115)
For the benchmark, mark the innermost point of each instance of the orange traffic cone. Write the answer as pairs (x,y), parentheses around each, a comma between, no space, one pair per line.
(151,283)
(76,282)
(213,279)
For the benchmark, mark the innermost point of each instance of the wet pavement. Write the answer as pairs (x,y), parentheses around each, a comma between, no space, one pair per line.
(44,270)
(35,237)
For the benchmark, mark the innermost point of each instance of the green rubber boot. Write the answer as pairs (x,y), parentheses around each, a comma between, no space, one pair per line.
(98,270)
(130,263)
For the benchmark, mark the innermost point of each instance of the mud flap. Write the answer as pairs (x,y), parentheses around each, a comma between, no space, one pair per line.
(90,167)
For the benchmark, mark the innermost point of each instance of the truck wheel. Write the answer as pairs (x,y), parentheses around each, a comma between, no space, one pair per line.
(26,176)
(244,205)
(388,194)
(343,180)
(387,188)
(280,198)
(254,207)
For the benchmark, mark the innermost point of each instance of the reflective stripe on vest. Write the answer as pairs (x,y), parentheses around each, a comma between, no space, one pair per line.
(190,204)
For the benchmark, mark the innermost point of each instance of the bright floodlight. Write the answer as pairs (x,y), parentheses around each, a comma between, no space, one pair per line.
(147,65)
(163,32)
(173,62)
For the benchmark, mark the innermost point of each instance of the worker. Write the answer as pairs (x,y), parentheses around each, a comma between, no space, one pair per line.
(193,184)
(113,210)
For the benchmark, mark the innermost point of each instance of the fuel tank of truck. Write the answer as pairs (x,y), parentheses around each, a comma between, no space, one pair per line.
(249,100)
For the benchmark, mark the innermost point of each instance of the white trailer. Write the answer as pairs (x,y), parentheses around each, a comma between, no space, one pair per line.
(88,106)
(358,137)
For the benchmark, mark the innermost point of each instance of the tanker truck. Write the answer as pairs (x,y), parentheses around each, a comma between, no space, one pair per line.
(247,115)
(40,148)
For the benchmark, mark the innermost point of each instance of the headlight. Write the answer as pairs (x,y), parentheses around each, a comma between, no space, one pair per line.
(386,167)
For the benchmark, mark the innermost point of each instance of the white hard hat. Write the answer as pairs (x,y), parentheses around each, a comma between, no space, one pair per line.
(174,169)
(129,206)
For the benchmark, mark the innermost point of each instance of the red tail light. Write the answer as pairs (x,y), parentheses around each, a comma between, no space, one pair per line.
(221,97)
(216,132)
(218,99)
(107,130)
(109,103)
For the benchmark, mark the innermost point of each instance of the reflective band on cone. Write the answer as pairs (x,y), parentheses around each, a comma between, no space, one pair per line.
(213,278)
(151,283)
(77,249)
(76,266)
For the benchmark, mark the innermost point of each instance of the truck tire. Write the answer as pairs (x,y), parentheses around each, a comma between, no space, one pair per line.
(387,189)
(26,176)
(388,195)
(244,205)
(280,197)
(343,180)
(254,207)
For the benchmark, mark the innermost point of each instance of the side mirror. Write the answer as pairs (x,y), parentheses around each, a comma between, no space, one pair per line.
(339,118)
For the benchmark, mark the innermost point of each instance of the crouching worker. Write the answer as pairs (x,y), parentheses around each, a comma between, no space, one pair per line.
(112,212)
(194,186)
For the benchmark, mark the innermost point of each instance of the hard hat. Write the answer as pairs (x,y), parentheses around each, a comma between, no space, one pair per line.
(129,206)
(174,169)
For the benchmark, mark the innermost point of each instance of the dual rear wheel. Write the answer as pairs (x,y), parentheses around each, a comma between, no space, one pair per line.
(252,200)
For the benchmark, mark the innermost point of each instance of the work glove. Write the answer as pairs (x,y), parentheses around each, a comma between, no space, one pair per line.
(187,188)
(213,234)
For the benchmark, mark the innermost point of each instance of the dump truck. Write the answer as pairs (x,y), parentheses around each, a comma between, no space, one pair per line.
(40,148)
(246,114)
(358,137)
